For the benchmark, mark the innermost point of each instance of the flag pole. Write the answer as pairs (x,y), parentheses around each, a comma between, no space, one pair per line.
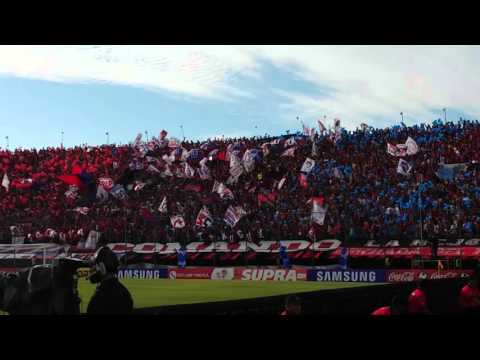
(183,134)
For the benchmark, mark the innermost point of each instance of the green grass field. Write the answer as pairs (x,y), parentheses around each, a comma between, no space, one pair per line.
(156,292)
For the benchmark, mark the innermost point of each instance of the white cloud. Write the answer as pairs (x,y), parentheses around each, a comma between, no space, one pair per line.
(363,82)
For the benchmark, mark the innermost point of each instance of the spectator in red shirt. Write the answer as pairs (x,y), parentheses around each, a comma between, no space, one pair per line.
(417,301)
(397,307)
(470,296)
(293,306)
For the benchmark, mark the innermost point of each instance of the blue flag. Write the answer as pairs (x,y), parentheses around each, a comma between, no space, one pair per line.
(343,261)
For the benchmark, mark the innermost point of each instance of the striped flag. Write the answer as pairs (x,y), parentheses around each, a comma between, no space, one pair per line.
(177,222)
(204,218)
(163,206)
(233,215)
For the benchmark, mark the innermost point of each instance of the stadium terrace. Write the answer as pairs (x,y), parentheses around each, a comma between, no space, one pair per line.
(370,185)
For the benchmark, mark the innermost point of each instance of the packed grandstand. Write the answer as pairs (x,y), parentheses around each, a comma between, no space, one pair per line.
(379,185)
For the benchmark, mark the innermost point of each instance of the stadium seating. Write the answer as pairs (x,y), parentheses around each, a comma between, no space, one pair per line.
(357,179)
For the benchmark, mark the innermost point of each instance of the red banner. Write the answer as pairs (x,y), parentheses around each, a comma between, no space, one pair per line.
(427,274)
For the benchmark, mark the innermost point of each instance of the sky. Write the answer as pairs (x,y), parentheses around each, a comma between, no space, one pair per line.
(225,90)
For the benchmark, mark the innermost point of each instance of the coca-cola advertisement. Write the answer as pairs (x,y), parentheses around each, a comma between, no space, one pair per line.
(394,276)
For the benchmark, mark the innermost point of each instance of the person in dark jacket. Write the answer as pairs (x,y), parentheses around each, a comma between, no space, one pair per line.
(110,297)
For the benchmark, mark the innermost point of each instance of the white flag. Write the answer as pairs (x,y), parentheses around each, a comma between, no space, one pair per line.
(189,171)
(6,182)
(308,165)
(404,168)
(224,192)
(290,141)
(177,222)
(321,127)
(163,206)
(139,186)
(152,168)
(102,194)
(289,152)
(249,161)
(216,185)
(82,210)
(318,212)
(412,147)
(167,172)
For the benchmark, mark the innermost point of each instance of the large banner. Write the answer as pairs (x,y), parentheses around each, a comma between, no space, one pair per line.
(394,276)
(347,275)
(239,273)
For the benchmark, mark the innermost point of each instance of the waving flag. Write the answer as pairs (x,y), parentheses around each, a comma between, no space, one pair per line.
(412,147)
(212,155)
(249,160)
(174,143)
(216,185)
(177,222)
(152,168)
(68,179)
(204,218)
(107,183)
(321,127)
(290,142)
(404,167)
(118,191)
(6,182)
(82,210)
(72,192)
(289,152)
(391,149)
(102,194)
(233,215)
(308,165)
(204,172)
(139,186)
(188,171)
(138,140)
(193,155)
(163,206)
(224,192)
(306,130)
(167,172)
(303,181)
(318,210)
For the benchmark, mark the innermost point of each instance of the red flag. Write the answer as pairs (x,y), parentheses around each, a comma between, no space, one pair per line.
(221,155)
(303,181)
(71,180)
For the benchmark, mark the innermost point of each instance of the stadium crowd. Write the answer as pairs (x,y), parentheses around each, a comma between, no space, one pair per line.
(56,194)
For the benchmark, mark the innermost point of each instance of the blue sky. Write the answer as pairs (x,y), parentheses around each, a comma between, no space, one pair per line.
(224,90)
